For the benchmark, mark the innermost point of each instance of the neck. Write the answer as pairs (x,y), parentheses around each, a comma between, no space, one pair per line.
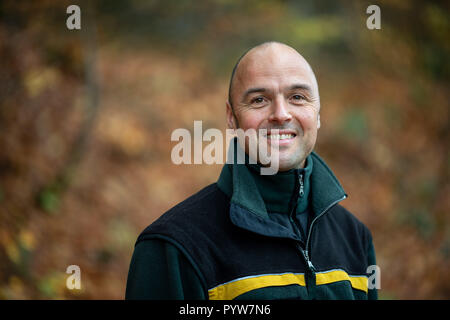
(278,190)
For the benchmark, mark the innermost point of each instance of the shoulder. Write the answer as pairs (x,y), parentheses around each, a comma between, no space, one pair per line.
(349,223)
(189,214)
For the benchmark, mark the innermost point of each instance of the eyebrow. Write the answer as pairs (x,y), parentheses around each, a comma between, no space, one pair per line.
(252,90)
(301,86)
(293,87)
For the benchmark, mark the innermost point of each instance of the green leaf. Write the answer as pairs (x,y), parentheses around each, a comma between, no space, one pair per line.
(49,200)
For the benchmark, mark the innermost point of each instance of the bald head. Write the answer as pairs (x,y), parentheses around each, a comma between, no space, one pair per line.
(271,54)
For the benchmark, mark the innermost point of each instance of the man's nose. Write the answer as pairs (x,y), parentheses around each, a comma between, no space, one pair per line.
(280,112)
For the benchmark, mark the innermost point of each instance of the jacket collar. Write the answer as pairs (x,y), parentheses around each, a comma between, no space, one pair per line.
(282,190)
(247,208)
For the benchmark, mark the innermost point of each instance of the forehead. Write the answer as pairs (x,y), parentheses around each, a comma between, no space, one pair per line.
(271,66)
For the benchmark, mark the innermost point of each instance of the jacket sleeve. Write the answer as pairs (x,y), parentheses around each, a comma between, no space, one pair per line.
(159,270)
(373,291)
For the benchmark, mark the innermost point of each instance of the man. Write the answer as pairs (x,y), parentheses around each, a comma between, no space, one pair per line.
(253,236)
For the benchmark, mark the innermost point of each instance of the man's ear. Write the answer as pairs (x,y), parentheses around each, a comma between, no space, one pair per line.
(231,121)
(318,121)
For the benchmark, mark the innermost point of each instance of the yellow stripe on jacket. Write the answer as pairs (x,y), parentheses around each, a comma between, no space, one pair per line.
(234,288)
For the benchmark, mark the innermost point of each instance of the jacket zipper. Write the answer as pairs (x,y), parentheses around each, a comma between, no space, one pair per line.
(305,252)
(300,179)
(299,191)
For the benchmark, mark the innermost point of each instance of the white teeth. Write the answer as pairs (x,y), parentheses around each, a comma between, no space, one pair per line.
(280,136)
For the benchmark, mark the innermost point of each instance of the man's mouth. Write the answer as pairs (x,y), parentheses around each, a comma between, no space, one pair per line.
(280,135)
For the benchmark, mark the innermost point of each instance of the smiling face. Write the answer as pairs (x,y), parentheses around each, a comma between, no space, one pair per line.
(275,88)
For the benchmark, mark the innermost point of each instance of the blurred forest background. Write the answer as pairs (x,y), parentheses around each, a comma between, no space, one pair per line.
(86,118)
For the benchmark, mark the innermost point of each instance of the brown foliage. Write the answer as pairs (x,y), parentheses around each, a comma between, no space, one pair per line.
(384,132)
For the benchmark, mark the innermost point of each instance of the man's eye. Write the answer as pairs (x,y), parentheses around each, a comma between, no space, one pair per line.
(258,100)
(298,97)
